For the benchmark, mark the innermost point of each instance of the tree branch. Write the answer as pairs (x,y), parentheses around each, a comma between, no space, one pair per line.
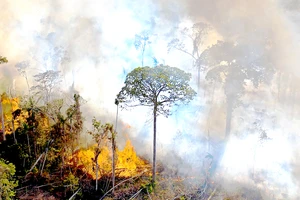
(74,194)
(212,194)
(184,51)
(123,182)
(138,192)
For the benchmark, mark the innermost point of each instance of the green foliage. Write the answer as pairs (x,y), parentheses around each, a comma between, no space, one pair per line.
(160,86)
(71,182)
(7,180)
(101,131)
(148,187)
(100,135)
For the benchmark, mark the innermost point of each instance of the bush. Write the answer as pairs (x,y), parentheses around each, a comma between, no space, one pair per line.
(7,180)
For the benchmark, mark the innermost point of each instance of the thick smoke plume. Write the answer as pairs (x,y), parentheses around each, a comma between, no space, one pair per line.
(91,43)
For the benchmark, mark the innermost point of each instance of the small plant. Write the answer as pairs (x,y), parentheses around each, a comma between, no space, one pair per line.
(148,187)
(71,182)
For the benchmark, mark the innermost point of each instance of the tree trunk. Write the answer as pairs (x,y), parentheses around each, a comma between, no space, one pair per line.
(213,92)
(46,153)
(154,144)
(27,84)
(143,51)
(279,87)
(13,121)
(114,147)
(2,119)
(228,118)
(97,153)
(13,130)
(113,162)
(198,79)
(96,173)
(28,144)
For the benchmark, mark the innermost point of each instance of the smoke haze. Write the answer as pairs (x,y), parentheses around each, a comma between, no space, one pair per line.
(92,44)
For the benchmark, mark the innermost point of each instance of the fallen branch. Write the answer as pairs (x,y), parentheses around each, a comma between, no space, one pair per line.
(74,194)
(178,196)
(40,186)
(36,162)
(123,182)
(138,192)
(212,194)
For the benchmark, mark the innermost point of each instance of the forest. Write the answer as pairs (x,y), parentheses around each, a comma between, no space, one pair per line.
(197,100)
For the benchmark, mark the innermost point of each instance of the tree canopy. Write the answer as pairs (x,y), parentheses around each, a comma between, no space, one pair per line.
(160,86)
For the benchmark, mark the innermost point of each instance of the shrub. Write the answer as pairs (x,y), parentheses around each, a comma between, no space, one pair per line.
(7,180)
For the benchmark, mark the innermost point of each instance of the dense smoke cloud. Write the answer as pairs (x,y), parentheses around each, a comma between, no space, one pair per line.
(92,44)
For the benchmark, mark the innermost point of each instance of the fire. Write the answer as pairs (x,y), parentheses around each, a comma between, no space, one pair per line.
(127,163)
(9,105)
(83,159)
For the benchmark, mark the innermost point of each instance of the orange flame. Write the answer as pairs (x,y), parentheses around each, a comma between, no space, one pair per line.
(9,105)
(127,163)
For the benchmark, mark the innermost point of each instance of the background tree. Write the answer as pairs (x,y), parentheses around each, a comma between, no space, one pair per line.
(140,43)
(2,60)
(232,65)
(195,37)
(2,119)
(46,82)
(22,68)
(158,87)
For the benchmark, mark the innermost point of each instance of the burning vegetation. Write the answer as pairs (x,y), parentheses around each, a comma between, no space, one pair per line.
(43,144)
(128,164)
(50,162)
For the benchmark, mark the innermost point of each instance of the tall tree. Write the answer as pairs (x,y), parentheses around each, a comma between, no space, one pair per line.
(2,118)
(2,60)
(159,87)
(113,142)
